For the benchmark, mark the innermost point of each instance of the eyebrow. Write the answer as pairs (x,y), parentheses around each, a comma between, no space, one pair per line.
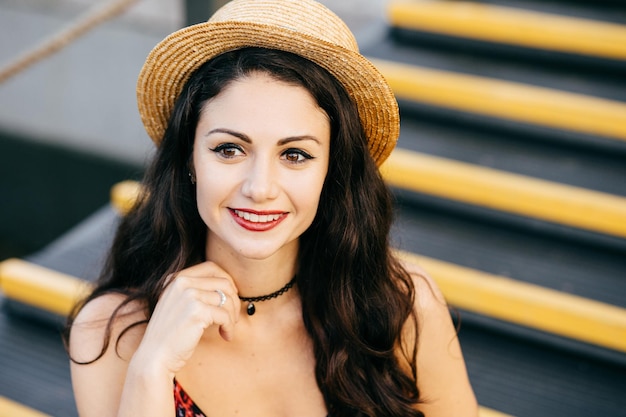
(239,135)
(247,139)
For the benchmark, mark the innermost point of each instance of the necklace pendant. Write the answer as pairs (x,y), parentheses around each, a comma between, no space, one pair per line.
(251,308)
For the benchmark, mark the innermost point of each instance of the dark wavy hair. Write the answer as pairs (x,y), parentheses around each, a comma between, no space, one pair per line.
(356,297)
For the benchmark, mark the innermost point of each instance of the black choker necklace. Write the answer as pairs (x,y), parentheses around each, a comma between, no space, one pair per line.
(251,300)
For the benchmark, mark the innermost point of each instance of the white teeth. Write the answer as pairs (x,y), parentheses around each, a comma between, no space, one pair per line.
(255,218)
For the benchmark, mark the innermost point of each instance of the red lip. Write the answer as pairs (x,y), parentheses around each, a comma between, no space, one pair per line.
(256,226)
(260,213)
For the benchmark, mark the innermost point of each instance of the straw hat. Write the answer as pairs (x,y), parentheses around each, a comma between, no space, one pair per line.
(303,27)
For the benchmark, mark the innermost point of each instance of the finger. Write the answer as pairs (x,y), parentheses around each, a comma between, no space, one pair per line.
(227,332)
(208,284)
(208,312)
(223,318)
(222,298)
(231,304)
(208,297)
(211,286)
(205,269)
(208,276)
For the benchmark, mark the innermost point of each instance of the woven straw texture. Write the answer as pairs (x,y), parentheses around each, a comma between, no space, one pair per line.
(304,27)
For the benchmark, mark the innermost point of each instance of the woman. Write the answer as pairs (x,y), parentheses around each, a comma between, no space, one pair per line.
(254,276)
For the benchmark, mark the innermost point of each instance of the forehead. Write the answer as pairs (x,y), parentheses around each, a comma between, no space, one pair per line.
(260,102)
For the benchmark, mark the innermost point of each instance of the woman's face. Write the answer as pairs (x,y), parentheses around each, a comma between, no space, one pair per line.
(260,158)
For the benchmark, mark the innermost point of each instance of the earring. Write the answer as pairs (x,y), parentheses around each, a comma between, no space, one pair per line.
(192,177)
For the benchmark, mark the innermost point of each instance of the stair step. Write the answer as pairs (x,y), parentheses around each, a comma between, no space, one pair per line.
(528,305)
(35,368)
(40,287)
(513,193)
(514,26)
(512,151)
(124,194)
(602,10)
(532,255)
(15,409)
(525,379)
(455,56)
(505,99)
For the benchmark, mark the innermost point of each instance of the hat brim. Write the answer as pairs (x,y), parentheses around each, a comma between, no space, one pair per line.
(170,64)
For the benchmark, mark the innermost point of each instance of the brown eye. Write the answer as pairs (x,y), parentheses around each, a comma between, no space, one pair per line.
(293,157)
(228,150)
(296,156)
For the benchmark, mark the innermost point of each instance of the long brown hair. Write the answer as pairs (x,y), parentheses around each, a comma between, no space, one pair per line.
(356,297)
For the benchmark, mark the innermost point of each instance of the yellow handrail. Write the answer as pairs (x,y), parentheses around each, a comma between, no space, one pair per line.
(507,100)
(512,26)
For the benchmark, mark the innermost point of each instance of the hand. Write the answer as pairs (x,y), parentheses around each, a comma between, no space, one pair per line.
(189,305)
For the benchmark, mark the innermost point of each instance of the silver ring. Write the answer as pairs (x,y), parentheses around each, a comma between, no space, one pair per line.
(222,298)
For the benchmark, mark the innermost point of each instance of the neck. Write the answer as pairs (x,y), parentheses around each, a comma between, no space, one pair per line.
(256,277)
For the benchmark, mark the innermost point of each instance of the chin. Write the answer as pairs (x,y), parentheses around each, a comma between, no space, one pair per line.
(260,252)
(256,255)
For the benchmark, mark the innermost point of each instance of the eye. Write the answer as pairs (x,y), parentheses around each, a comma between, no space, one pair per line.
(296,156)
(228,150)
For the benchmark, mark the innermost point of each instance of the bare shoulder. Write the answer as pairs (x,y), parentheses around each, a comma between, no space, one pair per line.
(444,385)
(103,340)
(103,307)
(101,319)
(428,294)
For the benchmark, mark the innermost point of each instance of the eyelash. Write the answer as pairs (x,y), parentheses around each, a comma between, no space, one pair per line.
(220,149)
(298,152)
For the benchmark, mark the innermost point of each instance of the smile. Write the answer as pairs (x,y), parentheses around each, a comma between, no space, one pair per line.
(258,218)
(257,221)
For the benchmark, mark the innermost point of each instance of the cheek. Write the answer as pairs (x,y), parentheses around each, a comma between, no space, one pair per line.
(306,195)
(203,201)
(209,192)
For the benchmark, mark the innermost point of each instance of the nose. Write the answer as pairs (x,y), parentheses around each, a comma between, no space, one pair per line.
(260,183)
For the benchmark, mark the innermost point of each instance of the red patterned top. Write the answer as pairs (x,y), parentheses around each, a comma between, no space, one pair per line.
(184,405)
